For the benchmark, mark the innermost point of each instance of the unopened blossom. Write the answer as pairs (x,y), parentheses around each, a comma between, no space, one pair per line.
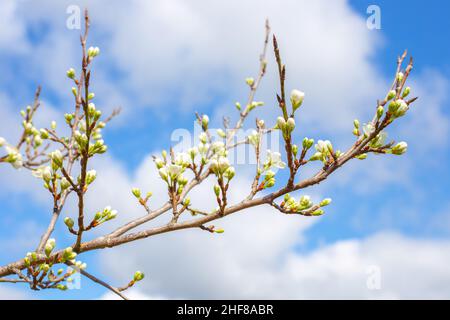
(254,138)
(399,148)
(297,97)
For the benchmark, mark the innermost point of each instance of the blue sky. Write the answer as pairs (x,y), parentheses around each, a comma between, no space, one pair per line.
(162,62)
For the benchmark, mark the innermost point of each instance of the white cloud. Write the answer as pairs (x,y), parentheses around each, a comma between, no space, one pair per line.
(188,53)
(187,267)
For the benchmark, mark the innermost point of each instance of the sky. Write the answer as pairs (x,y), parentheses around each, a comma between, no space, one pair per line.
(386,234)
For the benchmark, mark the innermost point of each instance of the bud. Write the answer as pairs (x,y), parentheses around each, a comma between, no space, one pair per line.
(45,267)
(90,176)
(48,249)
(229,173)
(68,254)
(69,222)
(74,91)
(53,125)
(297,97)
(70,73)
(318,212)
(400,76)
(270,183)
(2,141)
(290,124)
(44,133)
(136,192)
(294,150)
(269,175)
(217,190)
(37,141)
(203,137)
(47,174)
(221,133)
(400,148)
(281,123)
(391,94)
(361,156)
(307,143)
(380,111)
(402,108)
(238,106)
(64,183)
(93,52)
(57,159)
(325,202)
(406,92)
(219,230)
(138,276)
(91,95)
(111,215)
(187,201)
(205,122)
(250,81)
(356,123)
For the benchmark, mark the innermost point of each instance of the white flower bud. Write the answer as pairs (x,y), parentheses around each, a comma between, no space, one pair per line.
(93,52)
(47,174)
(400,148)
(221,133)
(297,97)
(203,137)
(2,141)
(391,94)
(71,73)
(205,121)
(281,123)
(69,222)
(90,176)
(229,173)
(56,159)
(290,124)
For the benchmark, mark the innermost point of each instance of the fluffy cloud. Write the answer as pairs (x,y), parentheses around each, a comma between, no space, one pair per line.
(327,50)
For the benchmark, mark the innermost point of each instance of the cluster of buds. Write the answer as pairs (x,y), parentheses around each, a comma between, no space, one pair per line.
(103,216)
(304,205)
(269,179)
(14,157)
(398,108)
(221,167)
(254,138)
(324,152)
(93,52)
(40,272)
(51,178)
(286,127)
(138,194)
